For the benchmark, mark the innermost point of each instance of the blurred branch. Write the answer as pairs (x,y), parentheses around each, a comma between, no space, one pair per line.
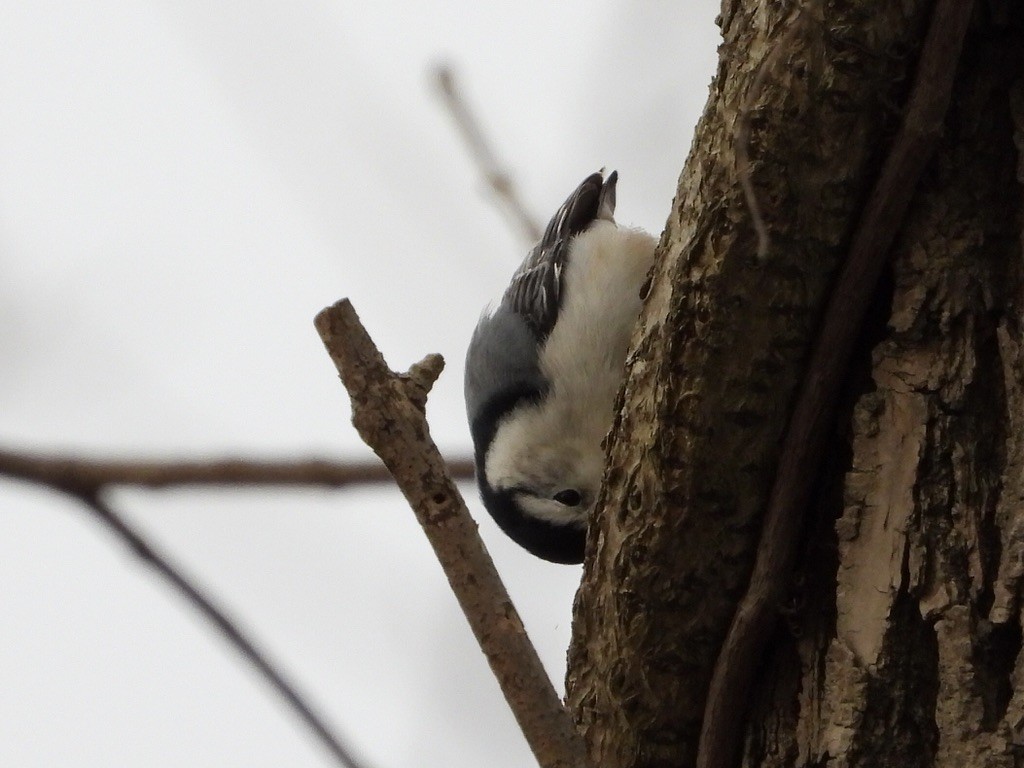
(188,589)
(480,151)
(80,475)
(388,411)
(812,418)
(86,479)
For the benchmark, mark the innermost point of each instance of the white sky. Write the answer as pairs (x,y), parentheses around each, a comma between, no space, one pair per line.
(183,185)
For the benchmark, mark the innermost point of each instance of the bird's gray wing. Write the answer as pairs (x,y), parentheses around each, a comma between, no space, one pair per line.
(535,292)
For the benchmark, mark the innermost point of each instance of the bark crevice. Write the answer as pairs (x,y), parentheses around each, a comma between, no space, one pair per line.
(904,646)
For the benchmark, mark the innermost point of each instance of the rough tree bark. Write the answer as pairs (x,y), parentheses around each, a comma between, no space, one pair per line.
(903,644)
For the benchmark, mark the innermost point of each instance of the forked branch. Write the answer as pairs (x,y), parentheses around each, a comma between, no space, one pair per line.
(388,411)
(83,483)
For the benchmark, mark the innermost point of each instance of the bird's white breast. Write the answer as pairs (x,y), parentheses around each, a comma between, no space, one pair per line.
(556,444)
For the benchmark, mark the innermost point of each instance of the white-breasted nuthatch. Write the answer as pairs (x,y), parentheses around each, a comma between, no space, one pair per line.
(544,367)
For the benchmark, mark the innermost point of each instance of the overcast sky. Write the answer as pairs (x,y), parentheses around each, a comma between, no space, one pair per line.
(183,185)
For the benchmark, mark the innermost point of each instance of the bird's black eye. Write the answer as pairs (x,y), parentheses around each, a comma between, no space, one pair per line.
(569,497)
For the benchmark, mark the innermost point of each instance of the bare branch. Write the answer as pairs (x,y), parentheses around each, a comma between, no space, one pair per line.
(86,479)
(483,156)
(188,589)
(82,475)
(387,410)
(812,418)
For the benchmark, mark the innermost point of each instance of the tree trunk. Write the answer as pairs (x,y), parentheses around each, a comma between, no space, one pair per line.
(901,646)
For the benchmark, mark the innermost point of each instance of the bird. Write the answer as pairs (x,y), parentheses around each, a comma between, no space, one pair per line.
(544,366)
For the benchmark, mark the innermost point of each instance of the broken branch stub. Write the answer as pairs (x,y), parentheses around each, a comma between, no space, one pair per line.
(388,410)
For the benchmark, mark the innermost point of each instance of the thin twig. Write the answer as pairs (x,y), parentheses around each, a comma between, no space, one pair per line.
(497,178)
(188,589)
(80,474)
(388,412)
(813,415)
